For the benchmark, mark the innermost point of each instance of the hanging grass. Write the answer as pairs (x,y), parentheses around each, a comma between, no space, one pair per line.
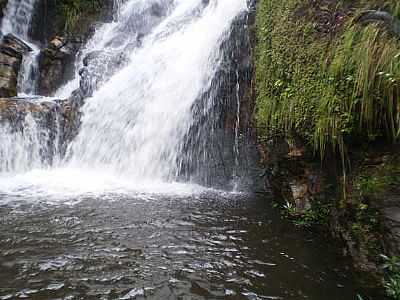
(333,90)
(72,12)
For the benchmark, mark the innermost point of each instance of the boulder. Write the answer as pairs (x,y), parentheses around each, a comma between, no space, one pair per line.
(56,64)
(12,50)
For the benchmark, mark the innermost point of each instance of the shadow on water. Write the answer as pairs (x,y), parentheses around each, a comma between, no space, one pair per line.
(208,246)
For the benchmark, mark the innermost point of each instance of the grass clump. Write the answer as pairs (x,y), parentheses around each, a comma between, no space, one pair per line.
(332,89)
(392,283)
(74,12)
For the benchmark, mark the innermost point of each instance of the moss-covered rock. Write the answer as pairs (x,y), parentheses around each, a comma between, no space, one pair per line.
(69,18)
(324,77)
(328,119)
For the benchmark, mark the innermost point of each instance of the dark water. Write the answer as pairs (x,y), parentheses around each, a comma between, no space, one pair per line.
(211,246)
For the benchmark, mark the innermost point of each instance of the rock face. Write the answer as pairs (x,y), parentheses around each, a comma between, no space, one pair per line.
(11,53)
(291,174)
(3,4)
(54,123)
(364,215)
(56,64)
(220,148)
(50,18)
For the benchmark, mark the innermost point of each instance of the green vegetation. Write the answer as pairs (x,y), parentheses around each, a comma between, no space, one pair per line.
(317,215)
(332,85)
(372,182)
(72,13)
(392,283)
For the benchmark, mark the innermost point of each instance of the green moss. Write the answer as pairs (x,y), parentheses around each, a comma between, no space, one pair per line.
(331,88)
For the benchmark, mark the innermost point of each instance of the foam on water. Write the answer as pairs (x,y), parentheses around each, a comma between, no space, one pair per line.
(73,185)
(133,128)
(135,124)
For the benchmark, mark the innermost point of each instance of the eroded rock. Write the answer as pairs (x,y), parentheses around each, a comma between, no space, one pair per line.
(56,64)
(12,51)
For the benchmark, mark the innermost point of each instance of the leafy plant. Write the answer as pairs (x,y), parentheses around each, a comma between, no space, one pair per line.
(329,91)
(392,284)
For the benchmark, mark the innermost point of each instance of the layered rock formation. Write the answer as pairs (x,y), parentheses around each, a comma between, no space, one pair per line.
(12,51)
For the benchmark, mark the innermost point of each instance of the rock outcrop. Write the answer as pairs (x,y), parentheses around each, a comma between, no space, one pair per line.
(12,51)
(57,120)
(363,213)
(56,64)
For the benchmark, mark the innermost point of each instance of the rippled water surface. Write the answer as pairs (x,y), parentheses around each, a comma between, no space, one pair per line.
(210,246)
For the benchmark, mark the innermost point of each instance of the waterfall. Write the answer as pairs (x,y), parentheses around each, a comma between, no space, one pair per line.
(29,72)
(151,80)
(18,17)
(135,124)
(17,21)
(25,148)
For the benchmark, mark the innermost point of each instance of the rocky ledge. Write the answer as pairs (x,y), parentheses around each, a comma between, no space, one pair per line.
(53,116)
(363,212)
(12,51)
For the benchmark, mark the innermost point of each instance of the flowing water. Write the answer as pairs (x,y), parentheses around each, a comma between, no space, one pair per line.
(17,21)
(18,17)
(115,218)
(210,245)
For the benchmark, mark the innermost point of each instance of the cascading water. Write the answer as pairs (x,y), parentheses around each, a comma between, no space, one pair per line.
(17,21)
(29,72)
(146,72)
(26,146)
(164,88)
(136,122)
(18,17)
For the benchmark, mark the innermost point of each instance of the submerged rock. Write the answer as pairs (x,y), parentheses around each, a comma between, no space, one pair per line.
(12,51)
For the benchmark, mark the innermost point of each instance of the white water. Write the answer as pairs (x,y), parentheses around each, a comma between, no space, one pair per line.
(17,20)
(18,17)
(29,72)
(20,151)
(134,126)
(115,39)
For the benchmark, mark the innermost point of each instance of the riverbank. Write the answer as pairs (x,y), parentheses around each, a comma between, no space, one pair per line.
(328,119)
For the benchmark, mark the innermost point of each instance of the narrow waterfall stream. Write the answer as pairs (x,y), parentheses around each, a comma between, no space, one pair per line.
(129,208)
(17,21)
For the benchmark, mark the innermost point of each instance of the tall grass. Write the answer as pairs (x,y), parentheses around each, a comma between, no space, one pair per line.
(333,92)
(367,64)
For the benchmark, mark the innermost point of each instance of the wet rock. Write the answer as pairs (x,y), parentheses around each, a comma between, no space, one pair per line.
(3,4)
(228,156)
(98,66)
(157,10)
(56,64)
(291,175)
(58,119)
(12,50)
(49,20)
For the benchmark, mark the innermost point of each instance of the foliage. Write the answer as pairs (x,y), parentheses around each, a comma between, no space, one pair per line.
(332,90)
(72,11)
(392,283)
(374,182)
(317,215)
